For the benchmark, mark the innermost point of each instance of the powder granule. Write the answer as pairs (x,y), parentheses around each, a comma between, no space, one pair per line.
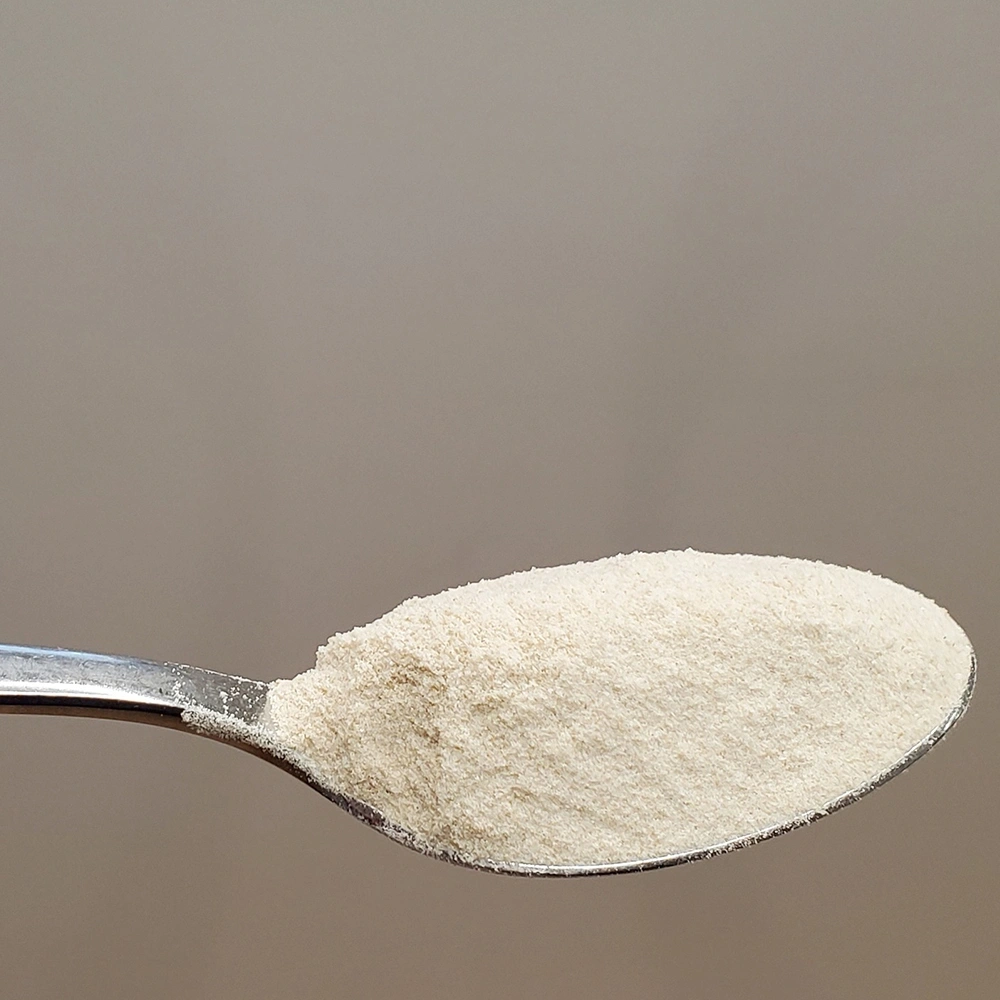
(636,706)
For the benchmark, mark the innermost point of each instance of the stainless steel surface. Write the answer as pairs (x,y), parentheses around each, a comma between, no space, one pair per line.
(68,682)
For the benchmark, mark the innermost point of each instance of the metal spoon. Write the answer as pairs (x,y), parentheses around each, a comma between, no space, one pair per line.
(228,709)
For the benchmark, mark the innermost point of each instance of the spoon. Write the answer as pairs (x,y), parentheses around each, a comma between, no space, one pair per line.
(228,708)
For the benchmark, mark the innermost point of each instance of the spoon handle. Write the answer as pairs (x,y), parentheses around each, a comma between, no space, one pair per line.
(66,682)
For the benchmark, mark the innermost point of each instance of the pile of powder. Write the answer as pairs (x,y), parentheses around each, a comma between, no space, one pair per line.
(633,707)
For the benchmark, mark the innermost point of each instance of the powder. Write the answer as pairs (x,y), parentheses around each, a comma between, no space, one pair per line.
(637,706)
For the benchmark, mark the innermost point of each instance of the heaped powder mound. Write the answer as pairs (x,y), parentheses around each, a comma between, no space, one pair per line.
(633,707)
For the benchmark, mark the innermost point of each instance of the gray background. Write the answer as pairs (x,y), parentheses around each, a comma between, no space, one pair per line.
(307,308)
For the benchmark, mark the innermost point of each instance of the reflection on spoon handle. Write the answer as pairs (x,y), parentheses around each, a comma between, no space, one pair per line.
(66,682)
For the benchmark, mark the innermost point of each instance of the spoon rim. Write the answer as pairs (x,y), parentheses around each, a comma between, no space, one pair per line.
(373,817)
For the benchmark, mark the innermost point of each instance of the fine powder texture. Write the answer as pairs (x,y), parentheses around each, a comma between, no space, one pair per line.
(633,707)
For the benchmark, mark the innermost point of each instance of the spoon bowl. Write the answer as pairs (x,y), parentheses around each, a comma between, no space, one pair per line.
(227,708)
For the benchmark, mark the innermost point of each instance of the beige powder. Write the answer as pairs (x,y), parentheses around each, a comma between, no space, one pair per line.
(632,707)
